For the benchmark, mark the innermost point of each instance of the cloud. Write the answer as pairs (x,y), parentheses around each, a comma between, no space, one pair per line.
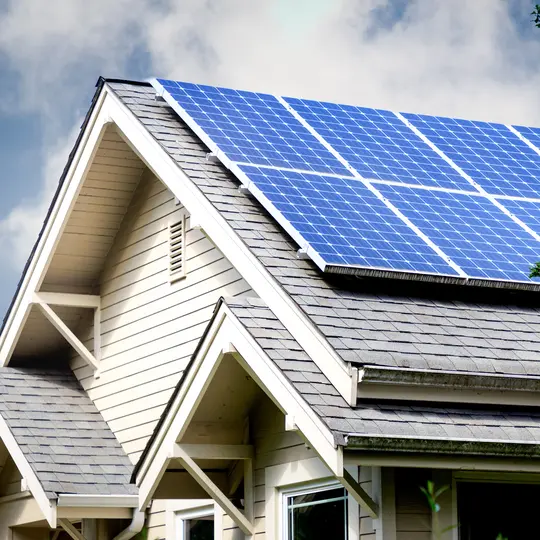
(459,58)
(19,229)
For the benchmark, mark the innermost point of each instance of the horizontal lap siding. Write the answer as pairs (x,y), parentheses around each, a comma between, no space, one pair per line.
(413,516)
(150,328)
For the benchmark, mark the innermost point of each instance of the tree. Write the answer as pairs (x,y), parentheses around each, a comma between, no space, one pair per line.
(536,15)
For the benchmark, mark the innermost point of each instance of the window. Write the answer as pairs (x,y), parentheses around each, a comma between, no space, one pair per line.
(196,525)
(488,509)
(316,514)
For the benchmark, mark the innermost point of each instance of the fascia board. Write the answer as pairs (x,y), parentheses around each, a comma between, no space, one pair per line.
(46,505)
(97,501)
(230,336)
(232,246)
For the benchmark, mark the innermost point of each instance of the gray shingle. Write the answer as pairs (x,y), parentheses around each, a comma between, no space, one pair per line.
(490,332)
(60,432)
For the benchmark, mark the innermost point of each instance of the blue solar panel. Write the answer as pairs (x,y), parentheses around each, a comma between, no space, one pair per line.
(532,134)
(378,144)
(250,128)
(344,222)
(526,211)
(475,234)
(490,154)
(340,218)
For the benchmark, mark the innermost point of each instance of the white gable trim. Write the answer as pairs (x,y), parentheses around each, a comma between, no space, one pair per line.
(231,245)
(53,228)
(110,109)
(228,335)
(46,505)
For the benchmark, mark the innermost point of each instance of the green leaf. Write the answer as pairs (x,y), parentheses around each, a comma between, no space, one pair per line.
(535,268)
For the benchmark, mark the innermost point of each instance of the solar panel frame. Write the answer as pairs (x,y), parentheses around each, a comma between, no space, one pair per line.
(272,148)
(490,154)
(354,188)
(378,144)
(307,250)
(461,223)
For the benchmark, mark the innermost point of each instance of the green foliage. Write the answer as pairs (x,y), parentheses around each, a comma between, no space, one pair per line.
(535,270)
(432,496)
(536,18)
(143,535)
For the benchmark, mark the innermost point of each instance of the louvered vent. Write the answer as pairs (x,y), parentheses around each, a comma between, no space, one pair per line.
(177,236)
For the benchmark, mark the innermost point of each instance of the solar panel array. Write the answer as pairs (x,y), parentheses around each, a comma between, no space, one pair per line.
(370,191)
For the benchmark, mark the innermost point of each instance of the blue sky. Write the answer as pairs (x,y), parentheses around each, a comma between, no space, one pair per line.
(462,58)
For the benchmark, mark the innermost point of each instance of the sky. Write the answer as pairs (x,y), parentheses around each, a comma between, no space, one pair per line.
(477,59)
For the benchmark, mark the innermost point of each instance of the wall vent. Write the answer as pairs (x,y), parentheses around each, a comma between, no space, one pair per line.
(177,245)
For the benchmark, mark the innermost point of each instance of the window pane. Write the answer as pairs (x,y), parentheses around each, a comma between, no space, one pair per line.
(318,516)
(200,528)
(486,510)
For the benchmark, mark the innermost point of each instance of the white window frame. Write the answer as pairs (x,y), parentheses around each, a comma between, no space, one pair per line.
(301,476)
(180,511)
(316,487)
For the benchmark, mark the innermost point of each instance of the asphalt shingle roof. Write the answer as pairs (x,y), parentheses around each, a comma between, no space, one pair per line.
(62,434)
(391,420)
(364,326)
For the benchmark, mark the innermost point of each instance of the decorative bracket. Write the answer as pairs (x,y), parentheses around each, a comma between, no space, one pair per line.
(44,300)
(182,452)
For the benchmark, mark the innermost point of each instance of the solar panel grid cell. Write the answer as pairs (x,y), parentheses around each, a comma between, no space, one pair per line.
(489,153)
(436,222)
(474,233)
(378,144)
(345,222)
(253,128)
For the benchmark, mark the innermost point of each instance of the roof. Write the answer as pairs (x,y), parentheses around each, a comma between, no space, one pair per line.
(368,322)
(379,426)
(61,433)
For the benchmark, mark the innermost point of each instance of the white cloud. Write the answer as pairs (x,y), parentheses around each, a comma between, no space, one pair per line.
(19,229)
(457,57)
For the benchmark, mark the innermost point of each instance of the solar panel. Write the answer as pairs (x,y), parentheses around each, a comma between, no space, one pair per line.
(378,144)
(532,134)
(373,192)
(344,222)
(475,234)
(526,211)
(490,154)
(249,128)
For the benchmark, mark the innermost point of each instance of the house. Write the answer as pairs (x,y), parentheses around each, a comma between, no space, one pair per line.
(175,359)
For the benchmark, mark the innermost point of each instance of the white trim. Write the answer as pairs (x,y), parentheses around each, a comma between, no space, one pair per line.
(316,487)
(305,473)
(190,509)
(233,248)
(245,524)
(98,501)
(68,335)
(90,301)
(70,529)
(47,506)
(215,451)
(225,331)
(39,263)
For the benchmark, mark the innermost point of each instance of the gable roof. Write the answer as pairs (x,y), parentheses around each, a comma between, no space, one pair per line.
(388,426)
(366,323)
(61,434)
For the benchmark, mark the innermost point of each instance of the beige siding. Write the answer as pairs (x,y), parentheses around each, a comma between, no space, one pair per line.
(413,516)
(366,529)
(150,327)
